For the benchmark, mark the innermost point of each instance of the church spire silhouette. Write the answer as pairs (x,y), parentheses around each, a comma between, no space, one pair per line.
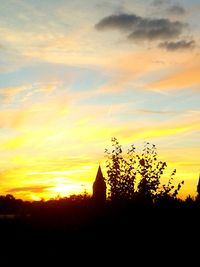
(99,187)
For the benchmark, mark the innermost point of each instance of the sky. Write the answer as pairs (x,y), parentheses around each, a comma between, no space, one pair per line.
(74,74)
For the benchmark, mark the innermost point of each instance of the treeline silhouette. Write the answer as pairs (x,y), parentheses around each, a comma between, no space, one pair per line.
(138,209)
(78,225)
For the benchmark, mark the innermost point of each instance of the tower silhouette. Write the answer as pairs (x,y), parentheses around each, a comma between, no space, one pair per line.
(99,187)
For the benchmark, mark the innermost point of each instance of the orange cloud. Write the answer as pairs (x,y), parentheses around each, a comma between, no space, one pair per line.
(126,68)
(185,76)
(9,93)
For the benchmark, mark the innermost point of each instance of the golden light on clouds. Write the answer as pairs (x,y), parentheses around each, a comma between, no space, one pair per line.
(185,76)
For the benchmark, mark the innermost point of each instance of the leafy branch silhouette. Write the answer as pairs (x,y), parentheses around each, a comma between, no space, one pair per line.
(138,175)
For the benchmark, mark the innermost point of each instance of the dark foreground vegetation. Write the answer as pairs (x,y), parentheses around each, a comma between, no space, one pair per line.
(80,225)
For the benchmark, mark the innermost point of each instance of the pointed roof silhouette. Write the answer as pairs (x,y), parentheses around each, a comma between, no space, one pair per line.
(99,186)
(99,176)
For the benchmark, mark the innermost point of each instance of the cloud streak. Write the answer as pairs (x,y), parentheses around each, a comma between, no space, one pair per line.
(34,189)
(9,93)
(186,75)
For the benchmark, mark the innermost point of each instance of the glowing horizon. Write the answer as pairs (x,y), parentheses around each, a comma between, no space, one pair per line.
(73,75)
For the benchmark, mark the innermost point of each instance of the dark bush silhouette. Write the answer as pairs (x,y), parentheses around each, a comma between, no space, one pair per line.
(138,175)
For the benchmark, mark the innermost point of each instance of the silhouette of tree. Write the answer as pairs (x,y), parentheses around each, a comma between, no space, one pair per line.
(143,169)
(121,172)
(189,201)
(169,190)
(150,171)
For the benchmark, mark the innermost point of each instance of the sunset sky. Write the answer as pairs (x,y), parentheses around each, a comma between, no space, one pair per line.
(73,74)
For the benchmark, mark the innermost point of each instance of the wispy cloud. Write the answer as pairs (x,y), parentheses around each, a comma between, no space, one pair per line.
(160,112)
(32,189)
(180,125)
(9,93)
(185,76)
(128,70)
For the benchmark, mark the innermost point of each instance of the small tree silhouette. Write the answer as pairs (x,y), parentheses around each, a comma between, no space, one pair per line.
(143,169)
(121,172)
(150,171)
